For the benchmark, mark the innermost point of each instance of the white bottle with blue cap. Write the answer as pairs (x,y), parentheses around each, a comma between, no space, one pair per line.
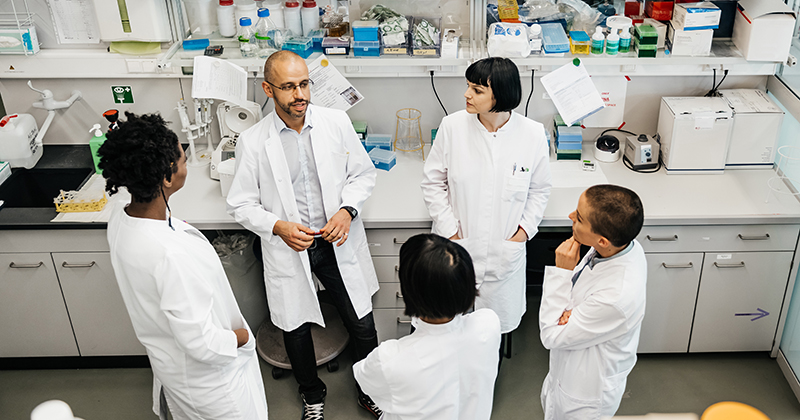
(247,38)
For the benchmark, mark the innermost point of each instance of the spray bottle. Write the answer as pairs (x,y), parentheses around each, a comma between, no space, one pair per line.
(94,145)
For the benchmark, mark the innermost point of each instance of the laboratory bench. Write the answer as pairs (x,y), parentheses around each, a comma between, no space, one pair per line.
(720,251)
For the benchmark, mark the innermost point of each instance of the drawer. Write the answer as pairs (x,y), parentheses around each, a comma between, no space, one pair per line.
(719,238)
(388,296)
(389,241)
(387,269)
(391,323)
(61,240)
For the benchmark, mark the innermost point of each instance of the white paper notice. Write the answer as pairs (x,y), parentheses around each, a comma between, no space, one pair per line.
(572,92)
(219,79)
(612,91)
(75,21)
(330,88)
(704,120)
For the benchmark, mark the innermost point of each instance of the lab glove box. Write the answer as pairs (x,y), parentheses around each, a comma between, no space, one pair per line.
(5,172)
(380,141)
(694,134)
(696,16)
(383,159)
(336,46)
(425,43)
(763,30)
(756,126)
(689,43)
(658,10)
(366,48)
(365,30)
(299,45)
(19,41)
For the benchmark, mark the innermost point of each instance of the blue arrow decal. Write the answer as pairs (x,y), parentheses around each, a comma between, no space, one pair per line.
(760,314)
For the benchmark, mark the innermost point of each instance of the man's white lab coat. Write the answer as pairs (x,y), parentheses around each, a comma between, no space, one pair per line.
(443,372)
(592,355)
(184,313)
(483,186)
(262,193)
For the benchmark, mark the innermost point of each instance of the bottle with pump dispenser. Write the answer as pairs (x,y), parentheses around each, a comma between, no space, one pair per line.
(97,140)
(612,43)
(598,41)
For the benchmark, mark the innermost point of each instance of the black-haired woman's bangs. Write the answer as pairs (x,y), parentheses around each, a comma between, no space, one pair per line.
(479,72)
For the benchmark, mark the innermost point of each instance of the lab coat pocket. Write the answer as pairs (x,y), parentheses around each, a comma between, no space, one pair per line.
(515,187)
(339,162)
(512,260)
(568,407)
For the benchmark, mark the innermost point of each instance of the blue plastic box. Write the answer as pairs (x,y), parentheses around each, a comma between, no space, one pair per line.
(381,141)
(316,36)
(301,46)
(336,46)
(365,30)
(383,159)
(366,48)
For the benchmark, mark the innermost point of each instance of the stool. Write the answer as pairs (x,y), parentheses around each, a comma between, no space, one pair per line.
(731,410)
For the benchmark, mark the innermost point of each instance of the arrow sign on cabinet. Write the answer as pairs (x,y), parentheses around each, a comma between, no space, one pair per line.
(758,315)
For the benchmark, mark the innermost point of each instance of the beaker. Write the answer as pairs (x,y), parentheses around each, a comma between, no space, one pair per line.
(408,133)
(787,179)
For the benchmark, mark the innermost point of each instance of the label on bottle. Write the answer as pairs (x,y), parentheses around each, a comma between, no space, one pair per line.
(597,46)
(624,45)
(612,48)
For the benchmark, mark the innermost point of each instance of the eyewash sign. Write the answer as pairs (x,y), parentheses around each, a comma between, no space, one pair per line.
(122,94)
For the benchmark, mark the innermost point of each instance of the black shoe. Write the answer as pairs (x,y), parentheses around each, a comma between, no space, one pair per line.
(312,411)
(366,402)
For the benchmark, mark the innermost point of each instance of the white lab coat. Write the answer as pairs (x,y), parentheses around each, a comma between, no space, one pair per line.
(183,311)
(262,193)
(442,372)
(592,355)
(483,186)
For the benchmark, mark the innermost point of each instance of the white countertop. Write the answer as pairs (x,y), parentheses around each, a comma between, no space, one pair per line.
(735,197)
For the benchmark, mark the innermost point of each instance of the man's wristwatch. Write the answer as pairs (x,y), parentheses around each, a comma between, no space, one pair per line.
(353,212)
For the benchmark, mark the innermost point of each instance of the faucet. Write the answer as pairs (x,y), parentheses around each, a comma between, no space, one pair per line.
(51,105)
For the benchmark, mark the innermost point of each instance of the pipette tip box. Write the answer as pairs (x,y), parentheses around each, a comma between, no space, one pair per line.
(554,39)
(383,159)
(381,141)
(301,46)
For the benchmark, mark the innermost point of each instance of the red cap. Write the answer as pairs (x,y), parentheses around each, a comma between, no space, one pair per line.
(226,2)
(309,3)
(292,4)
(5,119)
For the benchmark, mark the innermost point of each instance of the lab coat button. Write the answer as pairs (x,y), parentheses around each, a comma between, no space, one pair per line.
(291,214)
(280,179)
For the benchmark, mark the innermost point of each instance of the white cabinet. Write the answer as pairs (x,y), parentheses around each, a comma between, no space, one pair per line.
(99,318)
(33,317)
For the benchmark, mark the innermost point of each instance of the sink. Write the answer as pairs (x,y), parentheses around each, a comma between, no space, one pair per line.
(38,187)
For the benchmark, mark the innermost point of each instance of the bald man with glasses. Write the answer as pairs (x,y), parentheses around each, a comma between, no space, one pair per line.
(301,178)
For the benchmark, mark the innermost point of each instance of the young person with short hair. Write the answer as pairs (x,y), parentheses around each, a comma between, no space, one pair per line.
(446,368)
(592,308)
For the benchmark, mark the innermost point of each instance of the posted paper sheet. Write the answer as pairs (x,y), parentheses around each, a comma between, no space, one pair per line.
(219,79)
(572,92)
(75,21)
(330,88)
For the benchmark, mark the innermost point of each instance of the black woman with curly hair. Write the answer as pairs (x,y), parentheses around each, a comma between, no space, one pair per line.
(180,302)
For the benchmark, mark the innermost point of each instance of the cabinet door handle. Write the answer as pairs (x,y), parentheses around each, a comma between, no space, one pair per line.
(15,265)
(398,242)
(399,295)
(401,321)
(687,265)
(665,239)
(754,238)
(740,265)
(68,265)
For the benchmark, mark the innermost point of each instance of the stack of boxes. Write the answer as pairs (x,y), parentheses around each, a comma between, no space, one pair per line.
(381,141)
(568,140)
(691,29)
(645,41)
(365,38)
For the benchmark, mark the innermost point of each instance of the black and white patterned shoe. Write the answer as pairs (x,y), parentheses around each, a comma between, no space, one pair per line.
(312,411)
(366,403)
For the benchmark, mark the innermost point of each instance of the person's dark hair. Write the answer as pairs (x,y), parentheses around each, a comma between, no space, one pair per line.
(503,76)
(437,277)
(139,155)
(617,213)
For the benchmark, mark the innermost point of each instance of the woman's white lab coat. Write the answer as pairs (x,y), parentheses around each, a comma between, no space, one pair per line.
(262,193)
(184,313)
(592,355)
(483,186)
(443,372)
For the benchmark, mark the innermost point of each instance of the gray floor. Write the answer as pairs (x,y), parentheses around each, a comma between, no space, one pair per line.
(659,383)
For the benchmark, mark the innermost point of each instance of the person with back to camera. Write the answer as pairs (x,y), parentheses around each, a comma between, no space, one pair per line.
(183,311)
(486,183)
(592,308)
(446,368)
(301,177)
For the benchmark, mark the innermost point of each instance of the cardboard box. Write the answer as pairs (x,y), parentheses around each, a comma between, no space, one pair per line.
(763,29)
(689,43)
(696,16)
(658,10)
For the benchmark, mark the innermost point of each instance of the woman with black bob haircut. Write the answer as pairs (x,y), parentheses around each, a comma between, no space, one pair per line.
(486,183)
(183,311)
(447,367)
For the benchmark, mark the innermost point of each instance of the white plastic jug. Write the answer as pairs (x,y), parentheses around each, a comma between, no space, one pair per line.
(18,141)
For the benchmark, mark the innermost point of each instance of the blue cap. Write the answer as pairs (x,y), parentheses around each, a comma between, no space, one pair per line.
(245,21)
(263,12)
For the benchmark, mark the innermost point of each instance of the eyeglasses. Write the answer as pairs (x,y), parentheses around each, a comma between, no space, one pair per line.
(291,87)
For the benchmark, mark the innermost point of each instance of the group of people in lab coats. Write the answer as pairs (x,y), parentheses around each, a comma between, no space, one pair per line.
(301,178)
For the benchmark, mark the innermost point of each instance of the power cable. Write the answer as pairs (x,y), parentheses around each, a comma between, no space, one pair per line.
(437,95)
(533,85)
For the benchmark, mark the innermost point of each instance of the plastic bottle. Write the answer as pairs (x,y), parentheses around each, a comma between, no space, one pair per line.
(612,43)
(225,19)
(598,41)
(17,145)
(275,12)
(249,10)
(310,16)
(267,35)
(292,16)
(94,145)
(625,40)
(535,38)
(247,38)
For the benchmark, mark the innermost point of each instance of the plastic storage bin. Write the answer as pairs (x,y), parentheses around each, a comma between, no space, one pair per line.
(365,30)
(336,46)
(301,46)
(418,49)
(316,35)
(396,49)
(381,141)
(366,48)
(554,40)
(383,159)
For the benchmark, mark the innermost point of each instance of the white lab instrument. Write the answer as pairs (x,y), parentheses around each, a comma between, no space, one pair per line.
(606,149)
(133,20)
(200,127)
(226,169)
(756,125)
(694,134)
(642,152)
(233,119)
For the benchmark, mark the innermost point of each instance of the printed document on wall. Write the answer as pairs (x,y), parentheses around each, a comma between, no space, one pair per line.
(612,91)
(74,21)
(572,92)
(331,89)
(219,79)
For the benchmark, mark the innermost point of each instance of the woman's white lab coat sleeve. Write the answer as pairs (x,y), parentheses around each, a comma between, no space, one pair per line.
(370,376)
(187,305)
(538,192)
(244,198)
(435,189)
(593,321)
(361,172)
